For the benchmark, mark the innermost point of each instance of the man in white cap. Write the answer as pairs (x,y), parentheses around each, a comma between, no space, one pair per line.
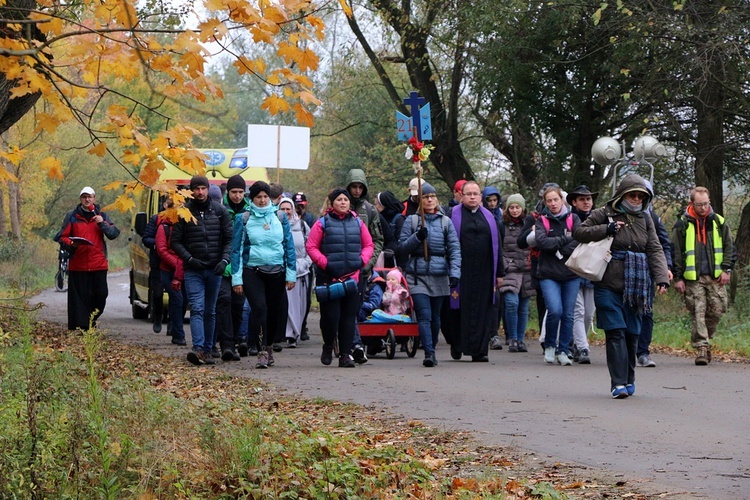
(411,204)
(83,233)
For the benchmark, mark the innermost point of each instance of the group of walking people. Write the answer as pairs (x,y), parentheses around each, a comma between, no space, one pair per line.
(469,266)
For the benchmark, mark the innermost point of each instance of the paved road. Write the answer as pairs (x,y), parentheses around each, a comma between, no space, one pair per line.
(685,432)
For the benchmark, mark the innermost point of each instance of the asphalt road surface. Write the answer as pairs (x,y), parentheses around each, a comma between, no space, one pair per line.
(685,433)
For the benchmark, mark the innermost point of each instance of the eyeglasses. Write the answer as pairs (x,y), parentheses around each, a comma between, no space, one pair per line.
(431,195)
(701,205)
(636,194)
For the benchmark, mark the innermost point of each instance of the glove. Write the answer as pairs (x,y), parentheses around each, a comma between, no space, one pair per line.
(663,285)
(176,285)
(612,228)
(220,267)
(422,234)
(453,282)
(194,263)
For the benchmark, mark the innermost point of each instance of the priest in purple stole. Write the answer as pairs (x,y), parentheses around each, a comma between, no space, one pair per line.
(470,319)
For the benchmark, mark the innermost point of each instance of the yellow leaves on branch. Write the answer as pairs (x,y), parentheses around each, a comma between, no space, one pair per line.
(53,168)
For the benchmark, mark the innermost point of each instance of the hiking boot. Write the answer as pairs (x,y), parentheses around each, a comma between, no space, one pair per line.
(429,360)
(358,353)
(242,348)
(645,361)
(157,327)
(549,355)
(291,343)
(227,355)
(196,358)
(269,352)
(346,361)
(456,352)
(208,358)
(277,347)
(262,360)
(522,347)
(708,351)
(563,359)
(620,392)
(583,357)
(702,358)
(327,356)
(496,344)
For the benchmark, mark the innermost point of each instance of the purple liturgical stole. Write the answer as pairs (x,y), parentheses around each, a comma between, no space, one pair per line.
(456,214)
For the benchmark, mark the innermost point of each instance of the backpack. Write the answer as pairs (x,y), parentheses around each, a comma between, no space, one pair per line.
(568,222)
(415,220)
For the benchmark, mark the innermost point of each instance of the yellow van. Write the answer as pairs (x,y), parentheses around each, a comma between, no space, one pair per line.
(220,166)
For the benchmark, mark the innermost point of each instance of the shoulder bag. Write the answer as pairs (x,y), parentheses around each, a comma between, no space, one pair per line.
(590,260)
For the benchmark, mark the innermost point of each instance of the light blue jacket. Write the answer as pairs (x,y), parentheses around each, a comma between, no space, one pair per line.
(253,245)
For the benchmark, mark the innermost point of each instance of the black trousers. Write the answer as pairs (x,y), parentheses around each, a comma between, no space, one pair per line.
(157,295)
(87,292)
(337,319)
(621,349)
(228,315)
(268,304)
(310,281)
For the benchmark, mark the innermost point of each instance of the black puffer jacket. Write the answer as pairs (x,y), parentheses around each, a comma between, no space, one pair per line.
(208,239)
(553,245)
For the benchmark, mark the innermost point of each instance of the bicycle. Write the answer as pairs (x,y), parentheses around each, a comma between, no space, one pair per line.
(61,278)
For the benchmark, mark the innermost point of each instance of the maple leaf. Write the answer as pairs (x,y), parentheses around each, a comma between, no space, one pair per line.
(123,203)
(275,104)
(307,60)
(46,122)
(303,116)
(53,168)
(149,174)
(99,150)
(14,155)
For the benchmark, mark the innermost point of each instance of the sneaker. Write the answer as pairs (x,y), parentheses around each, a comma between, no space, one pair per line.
(327,356)
(429,360)
(480,358)
(253,351)
(358,353)
(291,343)
(305,335)
(227,355)
(630,388)
(620,392)
(456,352)
(242,348)
(549,355)
(157,327)
(584,357)
(645,361)
(262,360)
(575,354)
(702,358)
(563,359)
(215,353)
(513,346)
(196,358)
(496,344)
(522,347)
(346,361)
(277,348)
(179,341)
(208,357)
(269,353)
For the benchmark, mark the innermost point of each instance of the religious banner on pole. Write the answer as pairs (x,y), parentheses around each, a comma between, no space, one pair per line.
(420,119)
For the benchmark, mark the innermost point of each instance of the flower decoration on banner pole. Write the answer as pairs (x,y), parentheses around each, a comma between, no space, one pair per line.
(415,129)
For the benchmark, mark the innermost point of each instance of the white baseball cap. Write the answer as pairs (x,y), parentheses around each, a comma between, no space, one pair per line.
(414,186)
(87,190)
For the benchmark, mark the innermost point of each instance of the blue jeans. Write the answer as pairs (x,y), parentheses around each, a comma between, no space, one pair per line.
(175,306)
(516,315)
(560,300)
(202,288)
(428,318)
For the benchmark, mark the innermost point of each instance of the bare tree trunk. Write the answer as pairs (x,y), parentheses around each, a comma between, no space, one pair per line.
(15,220)
(709,158)
(742,246)
(3,220)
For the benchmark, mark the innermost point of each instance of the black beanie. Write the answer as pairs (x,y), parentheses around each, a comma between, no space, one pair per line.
(257,187)
(198,180)
(235,182)
(338,192)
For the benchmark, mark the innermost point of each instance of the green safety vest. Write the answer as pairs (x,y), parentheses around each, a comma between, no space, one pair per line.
(691,273)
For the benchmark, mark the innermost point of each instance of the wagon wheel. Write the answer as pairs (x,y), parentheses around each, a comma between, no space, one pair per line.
(412,346)
(390,344)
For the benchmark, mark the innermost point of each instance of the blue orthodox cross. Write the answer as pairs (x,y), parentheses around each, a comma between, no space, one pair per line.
(420,119)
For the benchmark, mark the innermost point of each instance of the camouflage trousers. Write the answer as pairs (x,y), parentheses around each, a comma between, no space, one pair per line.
(707,301)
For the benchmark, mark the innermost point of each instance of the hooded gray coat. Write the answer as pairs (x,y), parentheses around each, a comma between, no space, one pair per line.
(637,235)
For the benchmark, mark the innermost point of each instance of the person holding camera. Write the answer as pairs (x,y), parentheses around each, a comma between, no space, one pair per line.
(430,277)
(339,245)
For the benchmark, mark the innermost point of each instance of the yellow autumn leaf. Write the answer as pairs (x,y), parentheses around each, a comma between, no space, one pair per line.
(214,5)
(303,116)
(289,52)
(98,150)
(275,14)
(14,155)
(150,172)
(46,122)
(346,8)
(126,14)
(308,98)
(7,175)
(123,203)
(307,60)
(275,104)
(113,185)
(53,168)
(210,28)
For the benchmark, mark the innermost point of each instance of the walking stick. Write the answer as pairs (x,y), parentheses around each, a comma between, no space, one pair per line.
(418,168)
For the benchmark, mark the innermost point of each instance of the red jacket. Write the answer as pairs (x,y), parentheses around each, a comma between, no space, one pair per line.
(89,257)
(168,259)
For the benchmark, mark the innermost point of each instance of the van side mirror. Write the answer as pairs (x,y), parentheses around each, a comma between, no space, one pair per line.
(141,219)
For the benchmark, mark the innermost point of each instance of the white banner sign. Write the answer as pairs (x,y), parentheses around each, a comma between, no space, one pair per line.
(274,146)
